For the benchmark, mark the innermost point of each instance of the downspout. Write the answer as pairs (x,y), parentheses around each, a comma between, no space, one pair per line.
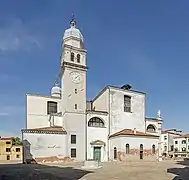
(109,125)
(85,134)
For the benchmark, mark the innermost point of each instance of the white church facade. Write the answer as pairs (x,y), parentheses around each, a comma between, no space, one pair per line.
(65,126)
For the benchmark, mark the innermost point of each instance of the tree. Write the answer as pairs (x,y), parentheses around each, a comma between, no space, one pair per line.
(16,141)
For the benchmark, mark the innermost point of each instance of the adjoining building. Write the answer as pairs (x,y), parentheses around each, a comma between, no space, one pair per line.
(65,126)
(9,151)
(167,141)
(181,146)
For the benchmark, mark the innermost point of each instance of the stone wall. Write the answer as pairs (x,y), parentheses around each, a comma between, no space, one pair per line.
(50,159)
(134,154)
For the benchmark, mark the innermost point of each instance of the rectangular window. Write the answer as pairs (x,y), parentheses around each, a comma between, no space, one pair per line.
(17,149)
(8,142)
(127,103)
(8,150)
(8,157)
(176,142)
(17,156)
(51,107)
(75,106)
(172,148)
(75,91)
(183,141)
(73,152)
(73,139)
(165,137)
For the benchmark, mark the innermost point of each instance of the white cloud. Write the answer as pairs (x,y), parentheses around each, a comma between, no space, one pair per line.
(15,36)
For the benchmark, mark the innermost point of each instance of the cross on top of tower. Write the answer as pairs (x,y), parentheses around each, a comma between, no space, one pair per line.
(73,22)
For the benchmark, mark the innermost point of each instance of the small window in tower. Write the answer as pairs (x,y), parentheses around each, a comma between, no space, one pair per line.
(75,106)
(127,103)
(78,58)
(51,107)
(72,56)
(75,91)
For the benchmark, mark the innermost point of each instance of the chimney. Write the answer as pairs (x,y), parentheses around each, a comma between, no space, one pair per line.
(134,131)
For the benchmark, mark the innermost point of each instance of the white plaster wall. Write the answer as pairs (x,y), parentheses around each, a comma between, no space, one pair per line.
(130,120)
(133,141)
(169,142)
(44,145)
(101,102)
(164,142)
(155,124)
(180,145)
(74,119)
(69,98)
(97,133)
(66,55)
(36,111)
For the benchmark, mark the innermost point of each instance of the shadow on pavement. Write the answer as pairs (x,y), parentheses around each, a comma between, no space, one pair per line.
(181,173)
(39,172)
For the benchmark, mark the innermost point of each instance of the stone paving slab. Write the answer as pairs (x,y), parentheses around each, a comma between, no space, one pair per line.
(165,170)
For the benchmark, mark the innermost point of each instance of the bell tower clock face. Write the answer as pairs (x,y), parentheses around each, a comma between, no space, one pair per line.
(76,77)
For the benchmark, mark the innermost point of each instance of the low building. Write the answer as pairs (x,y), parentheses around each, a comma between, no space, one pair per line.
(167,141)
(181,146)
(9,151)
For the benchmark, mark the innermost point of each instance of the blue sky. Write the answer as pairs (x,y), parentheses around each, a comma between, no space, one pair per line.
(143,43)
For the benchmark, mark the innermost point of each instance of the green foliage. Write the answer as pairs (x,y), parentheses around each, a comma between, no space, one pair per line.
(16,141)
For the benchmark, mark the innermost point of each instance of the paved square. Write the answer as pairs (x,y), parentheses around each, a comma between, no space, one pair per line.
(165,170)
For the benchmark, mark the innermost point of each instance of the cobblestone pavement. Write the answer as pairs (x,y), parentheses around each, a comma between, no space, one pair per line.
(165,170)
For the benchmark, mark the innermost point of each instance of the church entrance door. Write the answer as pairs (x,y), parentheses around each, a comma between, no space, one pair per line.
(97,154)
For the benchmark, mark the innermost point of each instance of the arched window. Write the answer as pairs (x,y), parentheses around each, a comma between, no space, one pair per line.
(151,128)
(72,56)
(115,153)
(95,122)
(153,149)
(51,107)
(78,58)
(127,149)
(141,147)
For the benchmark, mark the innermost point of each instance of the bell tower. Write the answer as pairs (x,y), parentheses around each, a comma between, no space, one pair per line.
(73,78)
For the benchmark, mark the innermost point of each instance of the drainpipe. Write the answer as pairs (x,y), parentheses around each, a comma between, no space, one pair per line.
(86,135)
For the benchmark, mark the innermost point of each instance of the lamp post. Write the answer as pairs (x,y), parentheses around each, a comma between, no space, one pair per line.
(159,132)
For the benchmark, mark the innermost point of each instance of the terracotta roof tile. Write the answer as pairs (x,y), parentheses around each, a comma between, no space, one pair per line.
(183,136)
(168,132)
(52,129)
(5,138)
(131,132)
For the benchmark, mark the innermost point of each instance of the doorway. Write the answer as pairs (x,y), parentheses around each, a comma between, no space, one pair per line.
(97,154)
(115,153)
(141,151)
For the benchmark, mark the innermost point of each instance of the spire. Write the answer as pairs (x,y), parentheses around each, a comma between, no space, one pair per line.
(159,114)
(73,22)
(57,82)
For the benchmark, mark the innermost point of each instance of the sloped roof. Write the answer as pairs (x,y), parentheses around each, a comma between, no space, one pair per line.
(132,133)
(169,132)
(6,138)
(47,130)
(182,136)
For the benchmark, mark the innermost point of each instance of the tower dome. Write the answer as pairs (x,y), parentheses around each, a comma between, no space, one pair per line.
(73,31)
(56,90)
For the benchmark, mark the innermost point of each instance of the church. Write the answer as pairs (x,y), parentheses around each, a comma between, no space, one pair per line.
(64,125)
